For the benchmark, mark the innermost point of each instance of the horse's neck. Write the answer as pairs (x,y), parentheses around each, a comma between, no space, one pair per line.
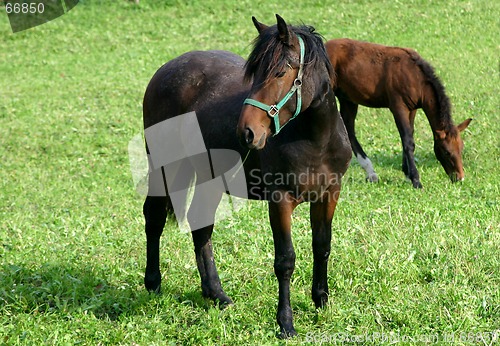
(323,120)
(432,109)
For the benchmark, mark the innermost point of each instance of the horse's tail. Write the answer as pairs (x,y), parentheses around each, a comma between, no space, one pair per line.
(443,102)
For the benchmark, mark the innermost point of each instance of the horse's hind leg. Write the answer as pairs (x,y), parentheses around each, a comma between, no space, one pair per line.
(155,211)
(210,282)
(156,208)
(201,217)
(348,111)
(321,214)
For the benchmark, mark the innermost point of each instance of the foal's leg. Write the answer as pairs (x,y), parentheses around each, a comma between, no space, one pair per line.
(348,111)
(402,117)
(321,214)
(280,212)
(412,128)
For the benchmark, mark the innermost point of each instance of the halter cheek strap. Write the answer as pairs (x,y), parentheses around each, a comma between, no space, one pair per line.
(273,110)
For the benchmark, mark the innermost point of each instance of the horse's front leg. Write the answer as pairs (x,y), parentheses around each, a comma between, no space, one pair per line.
(405,167)
(280,211)
(321,214)
(402,118)
(201,217)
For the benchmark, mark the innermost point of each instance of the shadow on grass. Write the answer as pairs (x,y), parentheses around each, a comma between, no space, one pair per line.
(388,160)
(195,299)
(64,290)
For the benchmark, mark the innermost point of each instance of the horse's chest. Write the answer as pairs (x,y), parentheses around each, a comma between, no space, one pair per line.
(305,180)
(313,182)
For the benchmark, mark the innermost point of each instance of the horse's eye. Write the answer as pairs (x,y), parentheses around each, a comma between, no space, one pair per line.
(280,74)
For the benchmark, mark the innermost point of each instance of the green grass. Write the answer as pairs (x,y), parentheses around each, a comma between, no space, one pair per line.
(404,262)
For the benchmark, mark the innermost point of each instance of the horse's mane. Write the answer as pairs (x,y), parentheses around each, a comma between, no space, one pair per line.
(444,105)
(270,56)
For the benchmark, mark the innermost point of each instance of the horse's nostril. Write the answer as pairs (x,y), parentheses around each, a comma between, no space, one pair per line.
(249,136)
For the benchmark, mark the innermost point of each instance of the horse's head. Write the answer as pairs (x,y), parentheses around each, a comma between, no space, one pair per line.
(448,146)
(290,72)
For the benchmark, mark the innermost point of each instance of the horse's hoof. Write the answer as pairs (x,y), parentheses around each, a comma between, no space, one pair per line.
(287,333)
(223,302)
(415,182)
(320,299)
(153,283)
(220,299)
(372,178)
(155,290)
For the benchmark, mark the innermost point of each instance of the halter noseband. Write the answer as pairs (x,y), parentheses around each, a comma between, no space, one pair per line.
(273,110)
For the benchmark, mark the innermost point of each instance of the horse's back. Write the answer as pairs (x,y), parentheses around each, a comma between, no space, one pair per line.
(371,74)
(190,82)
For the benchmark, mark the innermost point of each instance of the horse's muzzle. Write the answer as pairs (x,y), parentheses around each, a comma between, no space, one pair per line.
(248,140)
(455,177)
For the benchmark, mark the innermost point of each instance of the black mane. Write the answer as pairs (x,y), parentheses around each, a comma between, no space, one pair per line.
(270,55)
(444,105)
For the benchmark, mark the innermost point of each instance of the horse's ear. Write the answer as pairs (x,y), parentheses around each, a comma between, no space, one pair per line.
(283,30)
(440,134)
(258,25)
(462,126)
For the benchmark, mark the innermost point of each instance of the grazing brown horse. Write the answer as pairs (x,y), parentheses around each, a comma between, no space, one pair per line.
(288,76)
(378,76)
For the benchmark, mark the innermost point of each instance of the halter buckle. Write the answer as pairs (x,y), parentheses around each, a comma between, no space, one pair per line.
(297,83)
(273,111)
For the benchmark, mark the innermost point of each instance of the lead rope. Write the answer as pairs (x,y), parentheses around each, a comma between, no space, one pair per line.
(239,168)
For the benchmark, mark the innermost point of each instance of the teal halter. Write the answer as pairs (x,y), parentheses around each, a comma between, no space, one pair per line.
(273,110)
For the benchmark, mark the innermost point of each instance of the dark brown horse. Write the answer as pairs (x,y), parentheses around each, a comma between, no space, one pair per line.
(303,163)
(378,76)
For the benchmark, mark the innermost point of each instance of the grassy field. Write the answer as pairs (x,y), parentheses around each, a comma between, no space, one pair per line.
(407,266)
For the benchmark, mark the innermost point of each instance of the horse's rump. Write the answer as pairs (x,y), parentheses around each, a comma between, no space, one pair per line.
(193,81)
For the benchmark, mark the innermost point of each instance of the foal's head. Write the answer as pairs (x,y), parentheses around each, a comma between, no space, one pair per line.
(290,72)
(448,146)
